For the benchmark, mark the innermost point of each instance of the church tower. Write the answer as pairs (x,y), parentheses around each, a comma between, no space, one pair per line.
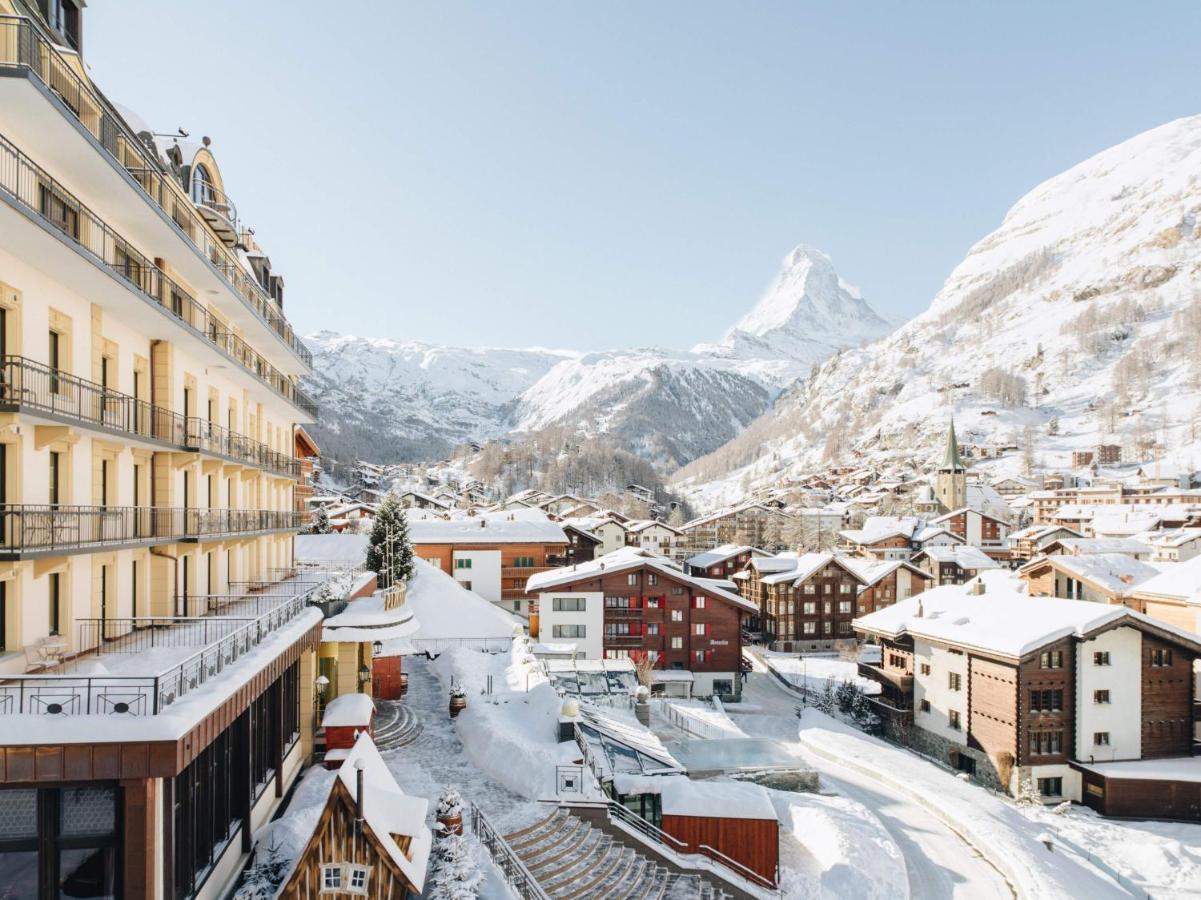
(950,487)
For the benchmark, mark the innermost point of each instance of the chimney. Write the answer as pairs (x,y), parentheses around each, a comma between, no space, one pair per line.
(359,766)
(1126,579)
(920,609)
(978,588)
(483,523)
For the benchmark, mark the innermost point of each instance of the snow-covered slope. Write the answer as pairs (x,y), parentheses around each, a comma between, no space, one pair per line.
(386,399)
(1077,320)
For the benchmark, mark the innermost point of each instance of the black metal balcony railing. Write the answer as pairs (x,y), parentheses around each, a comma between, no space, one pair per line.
(23,47)
(220,645)
(29,529)
(38,192)
(30,385)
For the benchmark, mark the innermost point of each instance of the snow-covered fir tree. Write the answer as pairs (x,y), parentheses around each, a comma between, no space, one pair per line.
(321,521)
(456,876)
(389,550)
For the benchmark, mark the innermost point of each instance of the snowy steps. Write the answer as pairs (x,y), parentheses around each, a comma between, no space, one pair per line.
(395,725)
(573,860)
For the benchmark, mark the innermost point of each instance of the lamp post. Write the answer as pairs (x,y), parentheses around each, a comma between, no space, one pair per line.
(322,684)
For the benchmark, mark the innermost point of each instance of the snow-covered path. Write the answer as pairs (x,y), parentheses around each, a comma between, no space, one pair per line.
(436,758)
(939,863)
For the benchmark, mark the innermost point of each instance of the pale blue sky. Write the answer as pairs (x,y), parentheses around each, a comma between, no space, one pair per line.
(608,174)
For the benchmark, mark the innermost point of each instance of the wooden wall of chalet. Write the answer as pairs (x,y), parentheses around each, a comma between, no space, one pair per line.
(1142,798)
(994,707)
(334,841)
(755,843)
(1167,701)
(1032,677)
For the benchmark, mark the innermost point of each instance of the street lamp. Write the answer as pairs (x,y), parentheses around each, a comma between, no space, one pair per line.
(364,676)
(377,648)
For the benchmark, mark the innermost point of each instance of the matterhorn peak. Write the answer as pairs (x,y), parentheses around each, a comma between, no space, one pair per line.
(807,313)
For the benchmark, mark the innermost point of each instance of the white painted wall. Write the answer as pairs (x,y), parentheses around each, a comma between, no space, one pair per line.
(592,645)
(484,574)
(1122,716)
(934,687)
(613,537)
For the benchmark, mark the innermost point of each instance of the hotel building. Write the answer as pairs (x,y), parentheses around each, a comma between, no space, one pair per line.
(156,657)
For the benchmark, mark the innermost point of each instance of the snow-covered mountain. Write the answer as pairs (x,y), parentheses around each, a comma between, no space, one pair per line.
(1077,321)
(385,399)
(807,314)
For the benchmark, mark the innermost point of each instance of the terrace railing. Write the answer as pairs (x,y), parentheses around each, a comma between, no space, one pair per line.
(515,873)
(212,438)
(34,189)
(23,47)
(26,528)
(222,645)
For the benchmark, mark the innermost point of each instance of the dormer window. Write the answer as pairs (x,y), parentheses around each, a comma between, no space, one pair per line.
(347,878)
(202,186)
(63,17)
(331,877)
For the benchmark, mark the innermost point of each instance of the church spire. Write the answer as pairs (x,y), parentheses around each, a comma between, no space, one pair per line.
(950,459)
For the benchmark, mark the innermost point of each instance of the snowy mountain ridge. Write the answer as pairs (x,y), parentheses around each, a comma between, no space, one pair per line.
(1077,321)
(414,400)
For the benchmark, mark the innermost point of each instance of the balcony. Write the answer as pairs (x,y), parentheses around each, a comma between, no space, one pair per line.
(39,196)
(34,388)
(887,677)
(216,208)
(142,673)
(29,531)
(23,48)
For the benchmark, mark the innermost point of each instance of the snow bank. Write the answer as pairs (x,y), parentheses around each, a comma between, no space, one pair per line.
(994,826)
(512,734)
(844,850)
(812,672)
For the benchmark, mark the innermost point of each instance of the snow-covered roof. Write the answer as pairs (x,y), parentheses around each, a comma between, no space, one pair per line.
(880,528)
(625,559)
(644,524)
(1177,537)
(1115,573)
(1085,546)
(348,710)
(871,571)
(368,619)
(716,799)
(349,548)
(510,527)
(1004,620)
(1181,581)
(962,555)
(721,554)
(444,609)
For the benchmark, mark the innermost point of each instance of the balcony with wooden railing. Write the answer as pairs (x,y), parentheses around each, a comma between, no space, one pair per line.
(33,190)
(24,48)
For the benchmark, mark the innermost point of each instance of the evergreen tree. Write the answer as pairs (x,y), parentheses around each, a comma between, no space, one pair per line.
(825,699)
(389,550)
(865,717)
(321,521)
(456,876)
(844,696)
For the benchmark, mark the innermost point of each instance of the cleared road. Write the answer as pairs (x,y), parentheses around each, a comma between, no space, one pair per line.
(939,863)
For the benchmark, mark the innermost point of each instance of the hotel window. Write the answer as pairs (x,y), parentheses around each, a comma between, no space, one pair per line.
(570,631)
(1046,701)
(844,628)
(1101,738)
(632,578)
(1161,658)
(809,627)
(925,706)
(677,615)
(698,602)
(1100,696)
(569,604)
(810,589)
(677,590)
(702,657)
(677,643)
(700,629)
(1051,659)
(523,562)
(653,602)
(652,578)
(56,599)
(809,608)
(827,628)
(1101,658)
(55,477)
(844,606)
(953,719)
(462,564)
(1045,743)
(1050,787)
(844,588)
(652,628)
(925,668)
(954,681)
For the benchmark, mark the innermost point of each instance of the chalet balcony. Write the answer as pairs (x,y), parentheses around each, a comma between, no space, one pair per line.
(623,613)
(25,50)
(37,389)
(146,664)
(887,677)
(29,531)
(30,188)
(623,641)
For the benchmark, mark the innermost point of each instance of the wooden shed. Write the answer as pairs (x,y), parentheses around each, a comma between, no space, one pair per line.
(1143,789)
(734,818)
(345,718)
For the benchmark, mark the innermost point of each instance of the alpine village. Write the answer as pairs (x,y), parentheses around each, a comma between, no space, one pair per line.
(914,615)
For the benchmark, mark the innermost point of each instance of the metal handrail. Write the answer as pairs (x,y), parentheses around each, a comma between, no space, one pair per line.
(50,527)
(218,201)
(69,694)
(22,46)
(34,189)
(517,876)
(28,384)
